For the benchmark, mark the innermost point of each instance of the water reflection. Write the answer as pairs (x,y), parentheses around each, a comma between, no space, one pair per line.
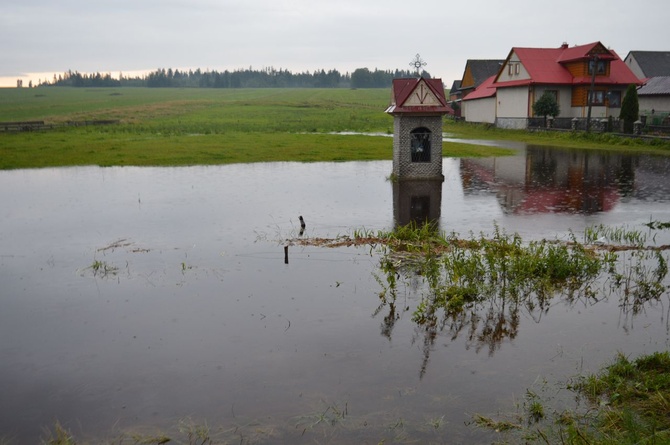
(194,295)
(417,202)
(480,288)
(555,181)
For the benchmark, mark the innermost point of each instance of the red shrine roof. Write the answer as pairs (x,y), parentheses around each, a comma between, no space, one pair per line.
(418,96)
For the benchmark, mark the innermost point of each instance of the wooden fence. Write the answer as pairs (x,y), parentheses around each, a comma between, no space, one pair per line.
(24,126)
(41,125)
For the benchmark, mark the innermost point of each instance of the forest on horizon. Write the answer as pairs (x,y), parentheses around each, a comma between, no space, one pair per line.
(247,78)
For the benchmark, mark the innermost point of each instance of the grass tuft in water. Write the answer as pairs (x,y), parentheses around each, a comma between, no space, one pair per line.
(481,285)
(197,434)
(628,403)
(60,436)
(503,268)
(103,269)
(495,425)
(534,408)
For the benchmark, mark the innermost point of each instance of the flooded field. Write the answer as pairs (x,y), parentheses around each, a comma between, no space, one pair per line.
(147,300)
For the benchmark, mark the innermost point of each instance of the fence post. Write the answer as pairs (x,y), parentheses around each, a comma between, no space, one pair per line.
(603,125)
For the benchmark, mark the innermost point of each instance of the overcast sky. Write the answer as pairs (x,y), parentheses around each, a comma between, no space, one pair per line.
(48,36)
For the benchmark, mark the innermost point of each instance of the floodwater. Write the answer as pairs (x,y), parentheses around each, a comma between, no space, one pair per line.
(142,299)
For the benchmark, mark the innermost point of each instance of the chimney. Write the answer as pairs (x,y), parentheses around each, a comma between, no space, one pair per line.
(564,45)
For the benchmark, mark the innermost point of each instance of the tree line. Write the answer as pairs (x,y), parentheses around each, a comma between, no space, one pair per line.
(242,78)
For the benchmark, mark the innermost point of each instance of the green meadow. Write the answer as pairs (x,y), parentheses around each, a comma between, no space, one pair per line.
(190,126)
(194,126)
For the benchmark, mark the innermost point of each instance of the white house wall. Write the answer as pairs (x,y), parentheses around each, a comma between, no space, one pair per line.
(505,169)
(512,107)
(480,110)
(634,66)
(656,103)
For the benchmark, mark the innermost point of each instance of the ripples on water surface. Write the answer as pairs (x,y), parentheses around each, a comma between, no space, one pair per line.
(134,298)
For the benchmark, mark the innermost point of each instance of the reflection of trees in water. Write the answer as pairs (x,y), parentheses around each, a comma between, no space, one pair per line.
(484,326)
(389,295)
(479,289)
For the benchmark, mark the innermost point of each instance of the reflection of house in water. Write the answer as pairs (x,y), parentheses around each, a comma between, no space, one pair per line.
(417,201)
(553,180)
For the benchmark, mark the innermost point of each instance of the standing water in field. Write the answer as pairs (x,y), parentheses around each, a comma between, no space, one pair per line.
(158,300)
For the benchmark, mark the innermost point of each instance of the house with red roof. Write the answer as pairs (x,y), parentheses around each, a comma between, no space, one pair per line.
(476,72)
(480,105)
(506,99)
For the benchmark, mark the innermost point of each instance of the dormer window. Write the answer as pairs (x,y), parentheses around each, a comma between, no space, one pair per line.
(513,69)
(601,67)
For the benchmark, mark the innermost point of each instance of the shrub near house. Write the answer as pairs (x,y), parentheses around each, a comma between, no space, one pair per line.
(630,109)
(546,106)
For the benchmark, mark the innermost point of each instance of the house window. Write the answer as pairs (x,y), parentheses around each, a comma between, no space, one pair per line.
(517,68)
(420,144)
(598,97)
(614,99)
(510,69)
(600,67)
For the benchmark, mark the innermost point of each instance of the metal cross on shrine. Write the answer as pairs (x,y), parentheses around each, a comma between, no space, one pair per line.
(418,63)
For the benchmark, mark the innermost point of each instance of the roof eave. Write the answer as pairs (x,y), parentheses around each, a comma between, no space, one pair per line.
(417,111)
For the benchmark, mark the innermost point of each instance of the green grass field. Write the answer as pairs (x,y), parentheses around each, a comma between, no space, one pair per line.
(171,126)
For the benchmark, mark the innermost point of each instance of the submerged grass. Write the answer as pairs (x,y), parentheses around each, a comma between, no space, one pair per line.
(60,436)
(102,269)
(480,284)
(628,404)
(330,423)
(461,271)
